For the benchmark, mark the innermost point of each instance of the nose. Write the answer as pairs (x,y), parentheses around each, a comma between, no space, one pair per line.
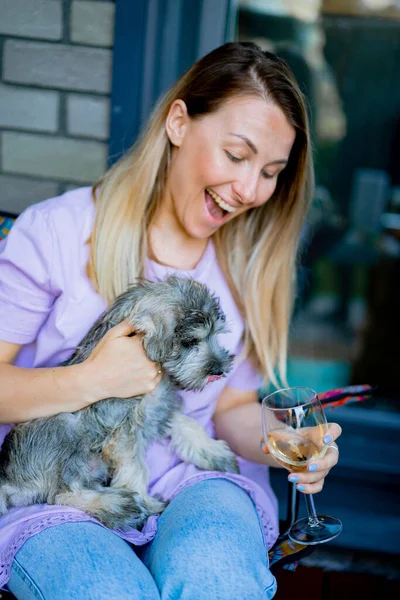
(216,367)
(218,371)
(245,189)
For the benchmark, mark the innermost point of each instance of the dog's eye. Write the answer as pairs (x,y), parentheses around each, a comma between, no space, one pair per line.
(189,342)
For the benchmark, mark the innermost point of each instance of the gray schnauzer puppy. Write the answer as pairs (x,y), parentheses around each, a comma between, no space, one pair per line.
(93,459)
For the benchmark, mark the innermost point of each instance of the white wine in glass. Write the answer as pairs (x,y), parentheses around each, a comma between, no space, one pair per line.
(294,426)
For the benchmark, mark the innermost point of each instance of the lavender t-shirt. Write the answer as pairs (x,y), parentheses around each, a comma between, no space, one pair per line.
(47,304)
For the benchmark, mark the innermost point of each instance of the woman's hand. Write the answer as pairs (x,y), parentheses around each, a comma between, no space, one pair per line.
(312,480)
(118,366)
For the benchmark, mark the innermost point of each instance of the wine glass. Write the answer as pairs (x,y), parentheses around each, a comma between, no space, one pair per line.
(294,426)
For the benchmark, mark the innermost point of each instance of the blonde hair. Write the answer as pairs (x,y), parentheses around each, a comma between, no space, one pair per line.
(257,250)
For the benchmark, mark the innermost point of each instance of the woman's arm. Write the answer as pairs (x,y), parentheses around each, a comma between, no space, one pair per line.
(237,420)
(30,393)
(117,367)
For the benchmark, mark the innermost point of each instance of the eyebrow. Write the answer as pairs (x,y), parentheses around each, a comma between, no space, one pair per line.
(281,161)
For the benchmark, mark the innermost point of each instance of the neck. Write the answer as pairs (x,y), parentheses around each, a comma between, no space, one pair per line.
(169,244)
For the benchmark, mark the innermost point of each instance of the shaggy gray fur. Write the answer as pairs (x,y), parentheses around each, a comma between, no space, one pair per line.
(93,459)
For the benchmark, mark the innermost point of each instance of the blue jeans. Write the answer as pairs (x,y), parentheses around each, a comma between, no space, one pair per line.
(208,546)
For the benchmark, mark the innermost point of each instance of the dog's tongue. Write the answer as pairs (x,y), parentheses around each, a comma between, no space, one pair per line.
(213,378)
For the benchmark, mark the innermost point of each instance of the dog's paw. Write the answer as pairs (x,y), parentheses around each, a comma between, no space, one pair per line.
(131,516)
(144,508)
(136,520)
(154,506)
(115,508)
(218,457)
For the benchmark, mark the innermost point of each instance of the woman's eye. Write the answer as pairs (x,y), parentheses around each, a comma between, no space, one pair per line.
(267,175)
(232,157)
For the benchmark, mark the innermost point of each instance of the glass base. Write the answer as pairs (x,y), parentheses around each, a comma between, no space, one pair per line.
(325,530)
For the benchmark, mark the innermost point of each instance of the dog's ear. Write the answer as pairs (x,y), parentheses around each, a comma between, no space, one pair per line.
(157,325)
(158,346)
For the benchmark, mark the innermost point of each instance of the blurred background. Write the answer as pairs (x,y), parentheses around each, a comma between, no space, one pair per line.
(78,78)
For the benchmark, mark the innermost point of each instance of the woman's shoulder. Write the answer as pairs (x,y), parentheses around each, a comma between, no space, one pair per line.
(75,204)
(68,216)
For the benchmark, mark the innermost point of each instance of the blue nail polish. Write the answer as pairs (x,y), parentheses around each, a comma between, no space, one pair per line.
(301,488)
(327,439)
(261,445)
(312,468)
(293,478)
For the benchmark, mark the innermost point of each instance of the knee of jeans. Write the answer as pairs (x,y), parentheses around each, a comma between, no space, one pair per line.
(137,590)
(218,567)
(110,585)
(222,581)
(81,561)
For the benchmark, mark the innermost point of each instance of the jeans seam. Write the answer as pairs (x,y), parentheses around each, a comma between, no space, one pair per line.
(28,581)
(271,587)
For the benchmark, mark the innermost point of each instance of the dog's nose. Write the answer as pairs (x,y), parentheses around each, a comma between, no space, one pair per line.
(218,372)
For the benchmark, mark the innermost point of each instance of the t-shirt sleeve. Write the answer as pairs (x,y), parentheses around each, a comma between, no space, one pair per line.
(26,296)
(245,377)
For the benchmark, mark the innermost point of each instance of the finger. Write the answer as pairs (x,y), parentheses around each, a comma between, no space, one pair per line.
(311,488)
(333,432)
(158,374)
(156,368)
(307,478)
(122,329)
(154,383)
(151,383)
(327,462)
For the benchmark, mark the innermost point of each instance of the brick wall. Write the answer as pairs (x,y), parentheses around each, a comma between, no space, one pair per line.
(55,80)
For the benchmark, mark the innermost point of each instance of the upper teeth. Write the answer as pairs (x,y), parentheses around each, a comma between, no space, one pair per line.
(221,202)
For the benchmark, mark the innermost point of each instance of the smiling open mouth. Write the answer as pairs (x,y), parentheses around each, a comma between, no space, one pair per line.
(217,208)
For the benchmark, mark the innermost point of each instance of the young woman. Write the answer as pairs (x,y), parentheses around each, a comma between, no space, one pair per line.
(216,188)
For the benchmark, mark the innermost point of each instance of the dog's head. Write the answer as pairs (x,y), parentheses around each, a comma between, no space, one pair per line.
(180,320)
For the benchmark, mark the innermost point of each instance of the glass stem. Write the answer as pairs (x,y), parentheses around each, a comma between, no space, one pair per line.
(312,515)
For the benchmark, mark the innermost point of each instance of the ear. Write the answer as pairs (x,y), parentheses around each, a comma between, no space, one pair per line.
(158,345)
(177,122)
(157,328)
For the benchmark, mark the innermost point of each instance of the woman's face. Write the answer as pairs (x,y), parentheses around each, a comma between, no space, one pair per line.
(224,163)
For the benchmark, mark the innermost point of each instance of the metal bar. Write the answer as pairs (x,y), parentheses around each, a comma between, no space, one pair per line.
(155,41)
(127,78)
